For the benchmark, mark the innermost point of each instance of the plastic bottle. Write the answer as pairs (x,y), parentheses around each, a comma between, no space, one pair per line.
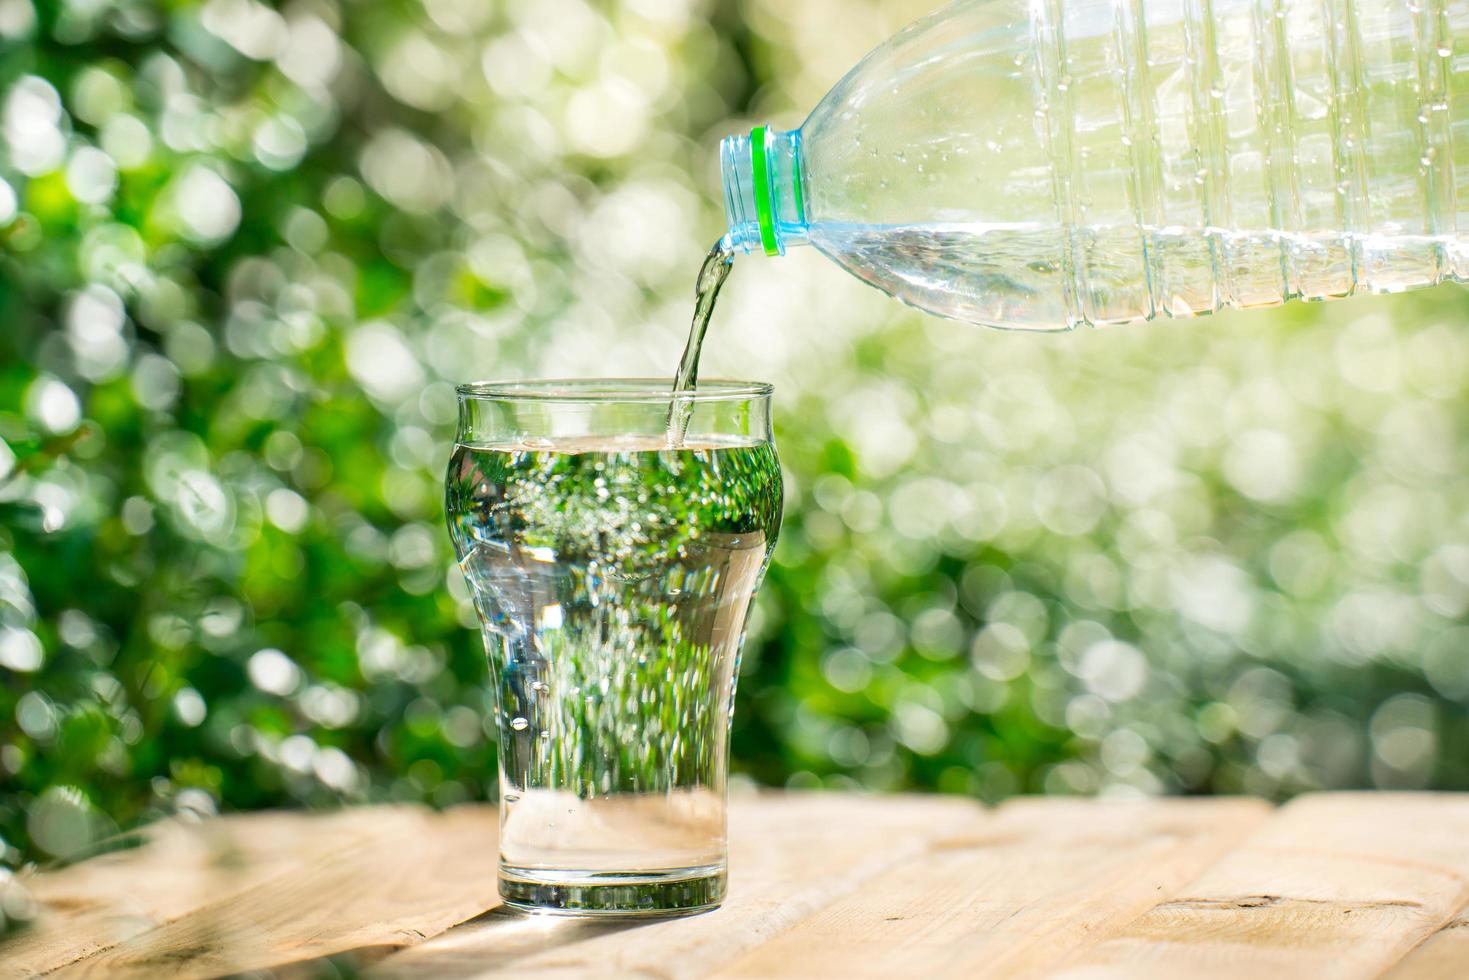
(1040,164)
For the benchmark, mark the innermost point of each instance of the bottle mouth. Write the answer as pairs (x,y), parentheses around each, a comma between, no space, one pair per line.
(764,196)
(741,210)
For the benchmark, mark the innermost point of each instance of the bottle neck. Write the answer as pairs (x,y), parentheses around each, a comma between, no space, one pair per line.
(764,196)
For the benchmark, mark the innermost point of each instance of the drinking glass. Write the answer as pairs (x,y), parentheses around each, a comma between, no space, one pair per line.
(612,563)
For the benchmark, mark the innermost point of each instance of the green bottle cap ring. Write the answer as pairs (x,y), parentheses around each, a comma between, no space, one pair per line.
(759,168)
(796,187)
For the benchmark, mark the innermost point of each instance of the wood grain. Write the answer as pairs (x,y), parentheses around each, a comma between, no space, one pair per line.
(413,875)
(1444,955)
(789,855)
(1336,885)
(1030,889)
(172,868)
(822,885)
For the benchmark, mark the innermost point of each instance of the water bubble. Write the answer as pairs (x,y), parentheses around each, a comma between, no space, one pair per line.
(519,724)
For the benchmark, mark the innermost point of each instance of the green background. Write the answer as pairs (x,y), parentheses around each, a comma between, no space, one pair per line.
(246,252)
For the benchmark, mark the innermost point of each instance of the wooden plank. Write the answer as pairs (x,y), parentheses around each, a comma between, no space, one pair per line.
(412,875)
(789,855)
(823,885)
(1017,896)
(1442,956)
(1336,885)
(175,867)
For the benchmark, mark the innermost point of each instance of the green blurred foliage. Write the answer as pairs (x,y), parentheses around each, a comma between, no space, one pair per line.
(246,252)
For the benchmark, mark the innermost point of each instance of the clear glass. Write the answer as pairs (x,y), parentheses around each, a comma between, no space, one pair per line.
(612,575)
(1042,164)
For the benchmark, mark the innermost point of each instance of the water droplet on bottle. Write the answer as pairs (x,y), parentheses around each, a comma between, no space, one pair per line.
(519,724)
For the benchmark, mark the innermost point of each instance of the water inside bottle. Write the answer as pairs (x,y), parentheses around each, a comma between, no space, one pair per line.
(1044,276)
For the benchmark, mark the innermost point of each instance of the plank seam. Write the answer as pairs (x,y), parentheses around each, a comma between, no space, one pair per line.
(1455,920)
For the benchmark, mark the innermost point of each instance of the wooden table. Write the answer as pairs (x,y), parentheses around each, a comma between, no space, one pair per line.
(823,885)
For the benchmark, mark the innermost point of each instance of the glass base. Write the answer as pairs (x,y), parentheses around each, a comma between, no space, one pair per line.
(673,891)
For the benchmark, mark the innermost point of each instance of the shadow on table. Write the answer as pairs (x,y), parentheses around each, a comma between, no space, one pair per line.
(492,940)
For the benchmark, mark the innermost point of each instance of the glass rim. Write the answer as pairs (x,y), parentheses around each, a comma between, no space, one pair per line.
(612,390)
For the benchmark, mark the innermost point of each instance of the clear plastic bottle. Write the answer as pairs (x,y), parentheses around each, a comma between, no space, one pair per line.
(1041,164)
